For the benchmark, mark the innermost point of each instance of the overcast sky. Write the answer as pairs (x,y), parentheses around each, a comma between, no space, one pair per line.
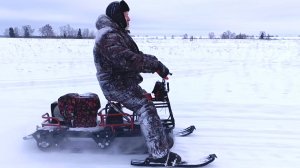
(195,17)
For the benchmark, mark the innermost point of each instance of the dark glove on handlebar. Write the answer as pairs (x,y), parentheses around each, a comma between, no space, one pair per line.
(162,70)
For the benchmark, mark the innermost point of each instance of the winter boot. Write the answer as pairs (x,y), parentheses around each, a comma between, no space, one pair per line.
(169,159)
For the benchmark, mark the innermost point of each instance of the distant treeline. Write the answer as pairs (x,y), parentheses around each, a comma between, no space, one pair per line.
(47,32)
(69,32)
(231,35)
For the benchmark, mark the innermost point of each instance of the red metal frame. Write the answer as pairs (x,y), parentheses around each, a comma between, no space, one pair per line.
(104,116)
(47,121)
(102,123)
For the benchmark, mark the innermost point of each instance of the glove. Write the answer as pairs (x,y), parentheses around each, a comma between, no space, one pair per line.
(162,70)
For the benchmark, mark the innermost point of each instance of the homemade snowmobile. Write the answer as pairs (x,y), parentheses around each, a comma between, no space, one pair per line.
(80,116)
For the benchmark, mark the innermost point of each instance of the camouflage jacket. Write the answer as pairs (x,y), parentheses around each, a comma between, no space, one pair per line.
(117,57)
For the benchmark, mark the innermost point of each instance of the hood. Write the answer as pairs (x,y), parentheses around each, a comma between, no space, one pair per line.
(104,21)
(104,24)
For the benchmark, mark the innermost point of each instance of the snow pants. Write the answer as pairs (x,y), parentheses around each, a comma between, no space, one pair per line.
(133,98)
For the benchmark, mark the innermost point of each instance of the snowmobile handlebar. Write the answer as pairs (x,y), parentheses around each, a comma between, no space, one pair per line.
(166,84)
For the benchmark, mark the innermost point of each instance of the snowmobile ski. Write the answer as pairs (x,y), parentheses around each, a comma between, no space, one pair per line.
(207,160)
(187,131)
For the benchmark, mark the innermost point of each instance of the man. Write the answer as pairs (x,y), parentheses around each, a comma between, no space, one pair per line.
(119,63)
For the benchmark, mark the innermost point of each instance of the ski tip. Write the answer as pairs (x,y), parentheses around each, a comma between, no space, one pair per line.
(193,127)
(187,131)
(213,156)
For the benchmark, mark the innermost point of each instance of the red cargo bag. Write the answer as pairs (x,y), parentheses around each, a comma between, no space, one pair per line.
(79,110)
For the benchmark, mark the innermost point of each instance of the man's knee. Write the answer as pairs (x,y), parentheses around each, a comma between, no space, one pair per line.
(147,109)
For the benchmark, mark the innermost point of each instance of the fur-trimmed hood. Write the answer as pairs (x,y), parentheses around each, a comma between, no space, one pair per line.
(104,21)
(104,25)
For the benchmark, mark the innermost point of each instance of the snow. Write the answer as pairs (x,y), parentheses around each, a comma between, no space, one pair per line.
(243,96)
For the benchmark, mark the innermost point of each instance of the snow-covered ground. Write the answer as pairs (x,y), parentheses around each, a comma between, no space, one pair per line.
(243,96)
